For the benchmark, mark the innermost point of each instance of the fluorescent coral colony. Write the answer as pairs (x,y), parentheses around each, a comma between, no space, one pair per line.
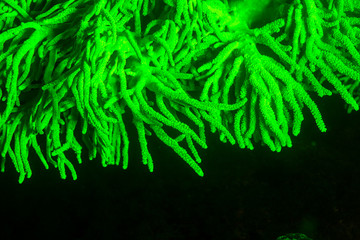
(180,69)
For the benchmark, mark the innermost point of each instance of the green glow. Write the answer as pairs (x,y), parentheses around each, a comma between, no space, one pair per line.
(247,70)
(249,10)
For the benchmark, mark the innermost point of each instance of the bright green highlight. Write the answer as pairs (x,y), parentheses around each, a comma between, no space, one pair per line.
(245,70)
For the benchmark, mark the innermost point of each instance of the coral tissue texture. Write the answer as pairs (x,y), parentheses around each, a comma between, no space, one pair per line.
(73,72)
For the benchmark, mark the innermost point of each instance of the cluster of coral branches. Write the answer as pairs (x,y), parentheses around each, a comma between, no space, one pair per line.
(71,71)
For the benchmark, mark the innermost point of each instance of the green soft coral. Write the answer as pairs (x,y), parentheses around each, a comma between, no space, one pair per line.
(245,68)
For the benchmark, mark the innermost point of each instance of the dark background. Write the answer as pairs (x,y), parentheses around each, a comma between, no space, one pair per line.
(311,188)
